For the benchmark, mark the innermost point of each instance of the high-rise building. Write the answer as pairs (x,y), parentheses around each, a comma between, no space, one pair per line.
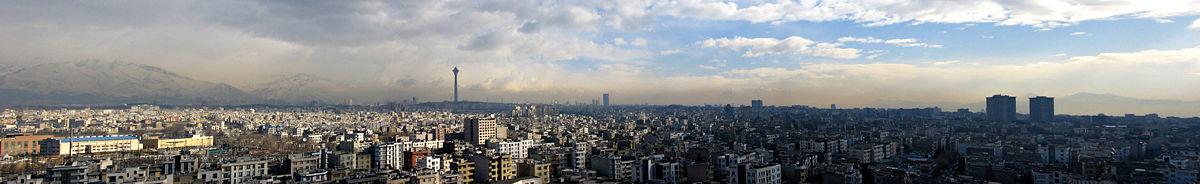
(1041,109)
(455,83)
(1001,108)
(606,99)
(756,103)
(479,130)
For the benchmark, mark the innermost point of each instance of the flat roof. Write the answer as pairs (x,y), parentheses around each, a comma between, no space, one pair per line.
(86,139)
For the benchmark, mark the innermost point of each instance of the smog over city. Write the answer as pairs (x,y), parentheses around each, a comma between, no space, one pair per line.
(619,91)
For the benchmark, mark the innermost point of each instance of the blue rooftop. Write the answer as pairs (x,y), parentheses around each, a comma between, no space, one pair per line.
(85,139)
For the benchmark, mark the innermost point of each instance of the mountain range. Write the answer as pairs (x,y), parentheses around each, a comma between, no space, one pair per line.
(1082,103)
(110,82)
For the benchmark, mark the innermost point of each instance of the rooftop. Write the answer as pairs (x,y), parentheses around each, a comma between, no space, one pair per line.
(86,139)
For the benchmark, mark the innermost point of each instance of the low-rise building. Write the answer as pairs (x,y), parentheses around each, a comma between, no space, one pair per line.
(106,144)
(22,144)
(194,141)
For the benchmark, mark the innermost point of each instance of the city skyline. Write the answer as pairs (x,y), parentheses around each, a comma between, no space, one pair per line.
(658,52)
(680,91)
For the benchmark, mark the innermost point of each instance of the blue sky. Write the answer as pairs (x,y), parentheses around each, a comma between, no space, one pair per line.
(805,52)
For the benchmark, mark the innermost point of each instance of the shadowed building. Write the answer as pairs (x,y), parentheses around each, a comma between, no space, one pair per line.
(1001,108)
(1041,109)
(606,99)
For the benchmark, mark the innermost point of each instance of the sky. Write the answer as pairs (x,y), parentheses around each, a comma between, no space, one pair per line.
(850,53)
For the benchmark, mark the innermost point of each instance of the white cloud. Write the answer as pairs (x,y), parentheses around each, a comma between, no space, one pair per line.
(755,47)
(942,63)
(1040,14)
(516,49)
(1195,24)
(669,52)
(1153,74)
(903,42)
(1078,33)
(1060,54)
(1163,21)
(638,42)
(863,40)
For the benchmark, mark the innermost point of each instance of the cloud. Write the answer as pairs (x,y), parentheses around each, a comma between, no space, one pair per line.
(756,47)
(946,62)
(638,42)
(526,50)
(909,42)
(1144,74)
(1078,33)
(1060,54)
(1039,14)
(1195,24)
(486,41)
(708,67)
(863,40)
(903,42)
(1164,21)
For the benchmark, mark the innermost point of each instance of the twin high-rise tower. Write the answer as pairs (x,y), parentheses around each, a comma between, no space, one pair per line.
(1041,109)
(1003,108)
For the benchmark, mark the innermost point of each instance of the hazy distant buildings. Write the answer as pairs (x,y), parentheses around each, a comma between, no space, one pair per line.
(478,130)
(1041,109)
(1001,108)
(756,103)
(606,99)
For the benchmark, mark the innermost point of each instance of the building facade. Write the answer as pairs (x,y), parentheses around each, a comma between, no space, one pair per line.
(1041,109)
(494,168)
(106,144)
(1001,108)
(517,149)
(195,141)
(22,144)
(478,130)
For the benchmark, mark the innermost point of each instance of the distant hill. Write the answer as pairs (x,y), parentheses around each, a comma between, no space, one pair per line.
(298,89)
(1091,103)
(1076,104)
(107,82)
